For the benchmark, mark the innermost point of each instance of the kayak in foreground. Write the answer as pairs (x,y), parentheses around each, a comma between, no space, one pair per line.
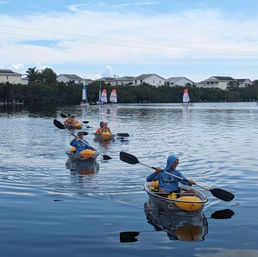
(184,203)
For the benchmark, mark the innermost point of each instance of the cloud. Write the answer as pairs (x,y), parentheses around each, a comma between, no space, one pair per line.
(18,66)
(40,66)
(108,36)
(93,5)
(108,72)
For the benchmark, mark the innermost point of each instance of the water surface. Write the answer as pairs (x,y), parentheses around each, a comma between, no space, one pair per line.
(46,210)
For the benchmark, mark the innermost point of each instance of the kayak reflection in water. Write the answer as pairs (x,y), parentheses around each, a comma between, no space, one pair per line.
(184,228)
(178,227)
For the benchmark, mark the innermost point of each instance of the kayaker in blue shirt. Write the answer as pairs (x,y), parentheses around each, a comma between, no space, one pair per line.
(167,183)
(80,144)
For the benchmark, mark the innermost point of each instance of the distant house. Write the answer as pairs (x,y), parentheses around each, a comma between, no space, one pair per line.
(69,77)
(244,82)
(151,79)
(124,80)
(178,81)
(216,82)
(10,76)
(24,81)
(107,80)
(87,81)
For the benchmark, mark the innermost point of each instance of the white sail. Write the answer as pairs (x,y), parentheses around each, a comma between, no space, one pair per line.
(186,98)
(103,98)
(98,102)
(113,96)
(84,96)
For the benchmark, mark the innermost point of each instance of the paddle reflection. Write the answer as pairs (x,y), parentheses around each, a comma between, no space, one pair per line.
(178,227)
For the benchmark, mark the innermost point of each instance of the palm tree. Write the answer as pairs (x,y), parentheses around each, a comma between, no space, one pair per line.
(33,75)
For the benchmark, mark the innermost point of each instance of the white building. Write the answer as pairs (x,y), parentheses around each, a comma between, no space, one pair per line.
(216,82)
(69,78)
(24,81)
(178,81)
(10,76)
(244,82)
(126,80)
(151,79)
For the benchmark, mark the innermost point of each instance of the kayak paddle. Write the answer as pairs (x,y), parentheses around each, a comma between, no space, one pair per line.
(65,116)
(122,134)
(59,125)
(217,192)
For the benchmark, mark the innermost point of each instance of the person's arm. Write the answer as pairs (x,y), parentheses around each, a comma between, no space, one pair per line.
(154,176)
(88,145)
(73,142)
(184,180)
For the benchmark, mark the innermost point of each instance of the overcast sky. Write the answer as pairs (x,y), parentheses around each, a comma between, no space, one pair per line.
(192,38)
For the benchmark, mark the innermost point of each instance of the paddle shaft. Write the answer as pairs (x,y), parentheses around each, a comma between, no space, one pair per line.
(166,173)
(174,176)
(217,192)
(71,133)
(222,194)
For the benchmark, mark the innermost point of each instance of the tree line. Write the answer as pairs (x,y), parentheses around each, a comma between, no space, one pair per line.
(43,88)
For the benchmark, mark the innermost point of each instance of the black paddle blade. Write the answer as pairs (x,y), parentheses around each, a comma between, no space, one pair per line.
(58,124)
(106,157)
(63,116)
(85,122)
(222,214)
(222,194)
(122,134)
(129,158)
(127,237)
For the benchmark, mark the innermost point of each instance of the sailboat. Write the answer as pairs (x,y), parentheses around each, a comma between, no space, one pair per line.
(113,96)
(99,100)
(84,96)
(103,98)
(186,98)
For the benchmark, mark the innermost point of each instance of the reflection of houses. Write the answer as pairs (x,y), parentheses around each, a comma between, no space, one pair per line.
(107,80)
(244,82)
(10,76)
(126,80)
(178,81)
(151,79)
(69,78)
(216,82)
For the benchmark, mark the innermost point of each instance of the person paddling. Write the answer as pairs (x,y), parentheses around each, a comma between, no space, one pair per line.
(106,129)
(68,122)
(169,184)
(79,144)
(100,129)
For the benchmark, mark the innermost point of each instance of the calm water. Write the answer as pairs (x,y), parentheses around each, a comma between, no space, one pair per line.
(48,211)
